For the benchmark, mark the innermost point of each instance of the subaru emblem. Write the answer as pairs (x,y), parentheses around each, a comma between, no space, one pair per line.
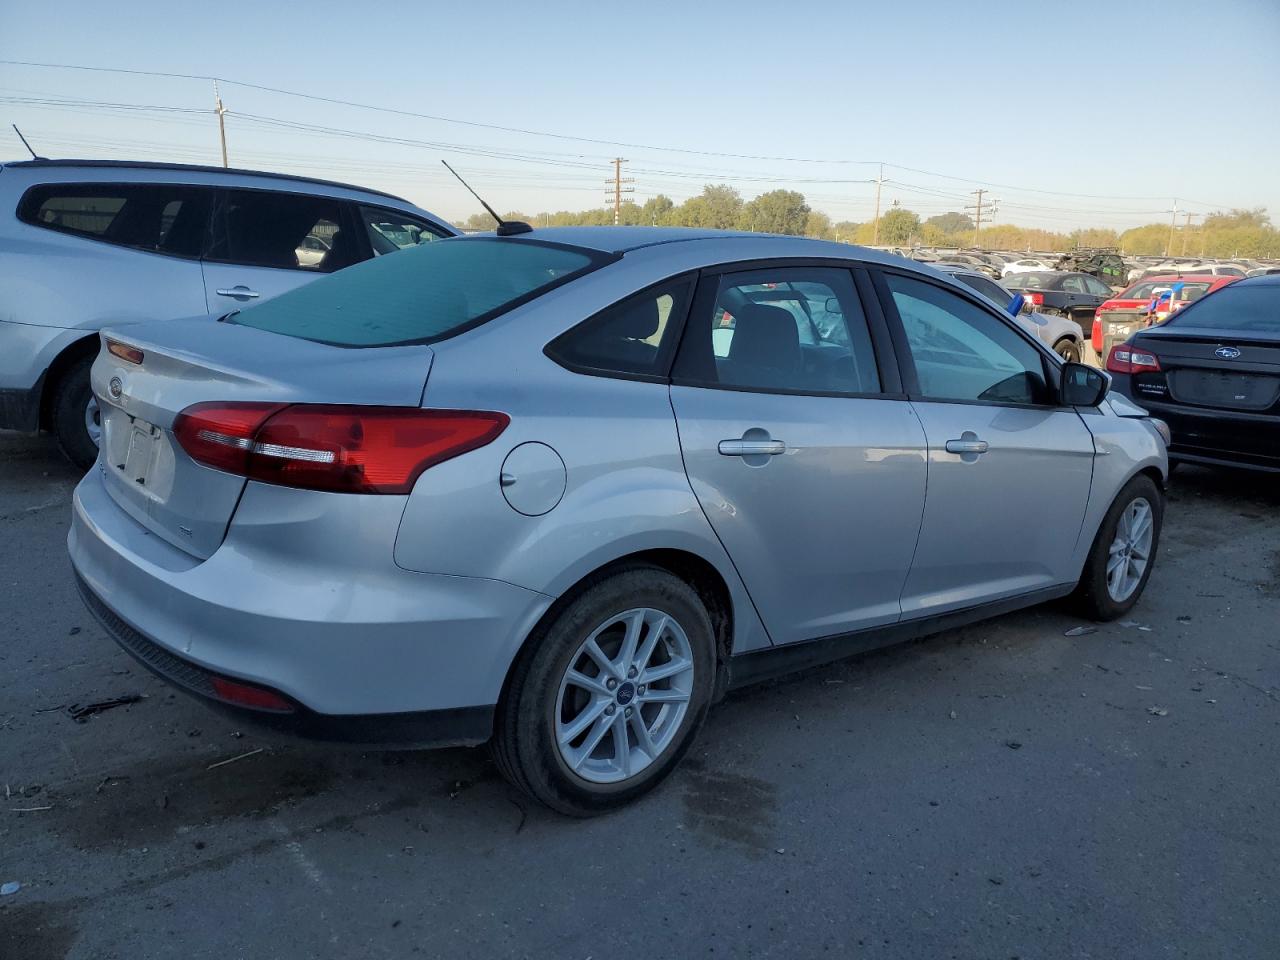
(1227,353)
(115,388)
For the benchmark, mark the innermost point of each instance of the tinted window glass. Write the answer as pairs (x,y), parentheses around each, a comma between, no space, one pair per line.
(163,218)
(628,337)
(1234,307)
(389,231)
(1149,289)
(1097,287)
(793,329)
(288,230)
(961,352)
(426,293)
(1073,284)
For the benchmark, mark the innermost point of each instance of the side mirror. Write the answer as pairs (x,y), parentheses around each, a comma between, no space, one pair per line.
(1016,304)
(1082,385)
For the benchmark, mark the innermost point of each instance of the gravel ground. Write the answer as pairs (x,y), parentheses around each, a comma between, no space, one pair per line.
(994,792)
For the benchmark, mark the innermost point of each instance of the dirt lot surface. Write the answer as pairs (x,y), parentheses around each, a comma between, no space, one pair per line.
(999,791)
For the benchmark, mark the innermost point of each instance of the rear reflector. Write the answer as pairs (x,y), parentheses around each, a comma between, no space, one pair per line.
(124,351)
(337,448)
(248,695)
(1125,358)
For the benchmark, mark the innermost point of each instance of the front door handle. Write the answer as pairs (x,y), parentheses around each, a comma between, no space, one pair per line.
(238,292)
(751,448)
(969,443)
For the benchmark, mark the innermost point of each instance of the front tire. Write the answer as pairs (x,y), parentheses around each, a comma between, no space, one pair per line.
(76,421)
(610,695)
(1123,552)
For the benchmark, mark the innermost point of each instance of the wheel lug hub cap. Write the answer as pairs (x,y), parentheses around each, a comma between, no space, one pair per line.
(625,694)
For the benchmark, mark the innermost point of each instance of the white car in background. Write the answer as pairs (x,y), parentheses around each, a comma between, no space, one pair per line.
(1026,265)
(1060,333)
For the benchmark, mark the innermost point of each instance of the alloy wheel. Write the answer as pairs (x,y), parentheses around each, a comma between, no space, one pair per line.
(1130,551)
(93,420)
(624,695)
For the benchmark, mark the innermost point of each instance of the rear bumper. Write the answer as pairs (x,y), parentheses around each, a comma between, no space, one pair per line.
(368,652)
(462,726)
(1216,437)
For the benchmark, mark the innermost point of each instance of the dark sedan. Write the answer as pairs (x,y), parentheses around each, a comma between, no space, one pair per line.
(1073,295)
(1212,372)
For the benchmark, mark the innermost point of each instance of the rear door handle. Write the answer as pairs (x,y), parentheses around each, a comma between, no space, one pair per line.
(967,444)
(751,448)
(238,292)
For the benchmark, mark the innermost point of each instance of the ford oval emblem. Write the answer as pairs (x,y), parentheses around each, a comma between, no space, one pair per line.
(115,388)
(1227,353)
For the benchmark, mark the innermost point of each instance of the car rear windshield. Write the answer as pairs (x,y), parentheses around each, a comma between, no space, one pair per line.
(422,294)
(1235,307)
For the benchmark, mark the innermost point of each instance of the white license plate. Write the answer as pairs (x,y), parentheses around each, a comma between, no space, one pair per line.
(141,453)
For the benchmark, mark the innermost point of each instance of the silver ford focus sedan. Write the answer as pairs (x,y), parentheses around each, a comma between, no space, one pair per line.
(559,491)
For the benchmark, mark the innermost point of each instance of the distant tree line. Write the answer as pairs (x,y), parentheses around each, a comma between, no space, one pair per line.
(1234,233)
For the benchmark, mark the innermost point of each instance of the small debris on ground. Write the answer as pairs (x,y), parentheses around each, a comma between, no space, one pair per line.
(1183,618)
(82,714)
(1157,711)
(1013,744)
(996,881)
(223,763)
(1080,631)
(10,888)
(952,714)
(781,850)
(30,809)
(1141,686)
(73,631)
(1144,628)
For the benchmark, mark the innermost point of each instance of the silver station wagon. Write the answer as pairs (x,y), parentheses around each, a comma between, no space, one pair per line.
(559,490)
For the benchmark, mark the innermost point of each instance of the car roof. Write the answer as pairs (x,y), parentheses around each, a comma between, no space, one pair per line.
(195,168)
(1174,277)
(620,240)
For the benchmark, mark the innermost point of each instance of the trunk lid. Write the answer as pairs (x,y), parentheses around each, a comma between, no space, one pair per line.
(184,362)
(1216,368)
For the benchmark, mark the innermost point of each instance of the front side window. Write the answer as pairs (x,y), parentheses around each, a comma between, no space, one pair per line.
(157,217)
(389,230)
(962,352)
(291,231)
(630,337)
(790,329)
(427,293)
(1073,284)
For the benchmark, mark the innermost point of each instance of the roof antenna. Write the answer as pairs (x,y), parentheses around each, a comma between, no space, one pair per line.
(506,228)
(34,155)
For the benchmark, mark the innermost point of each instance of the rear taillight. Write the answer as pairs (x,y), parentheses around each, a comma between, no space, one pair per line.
(1126,358)
(1095,335)
(338,448)
(1035,299)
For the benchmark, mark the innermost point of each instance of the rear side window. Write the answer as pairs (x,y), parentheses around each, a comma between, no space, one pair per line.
(629,338)
(423,293)
(259,228)
(389,230)
(165,218)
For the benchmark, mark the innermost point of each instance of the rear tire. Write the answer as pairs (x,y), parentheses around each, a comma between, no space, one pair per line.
(1068,350)
(557,687)
(1111,582)
(73,403)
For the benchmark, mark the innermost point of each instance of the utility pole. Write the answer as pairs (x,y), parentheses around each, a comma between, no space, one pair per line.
(1186,229)
(977,212)
(875,230)
(617,188)
(220,110)
(1173,225)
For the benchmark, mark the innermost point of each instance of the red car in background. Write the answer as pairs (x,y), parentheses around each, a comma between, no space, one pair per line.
(1139,297)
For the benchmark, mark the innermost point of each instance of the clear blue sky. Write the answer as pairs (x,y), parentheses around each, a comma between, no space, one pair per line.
(1135,103)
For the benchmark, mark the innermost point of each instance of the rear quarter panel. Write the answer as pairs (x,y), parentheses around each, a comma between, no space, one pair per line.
(625,490)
